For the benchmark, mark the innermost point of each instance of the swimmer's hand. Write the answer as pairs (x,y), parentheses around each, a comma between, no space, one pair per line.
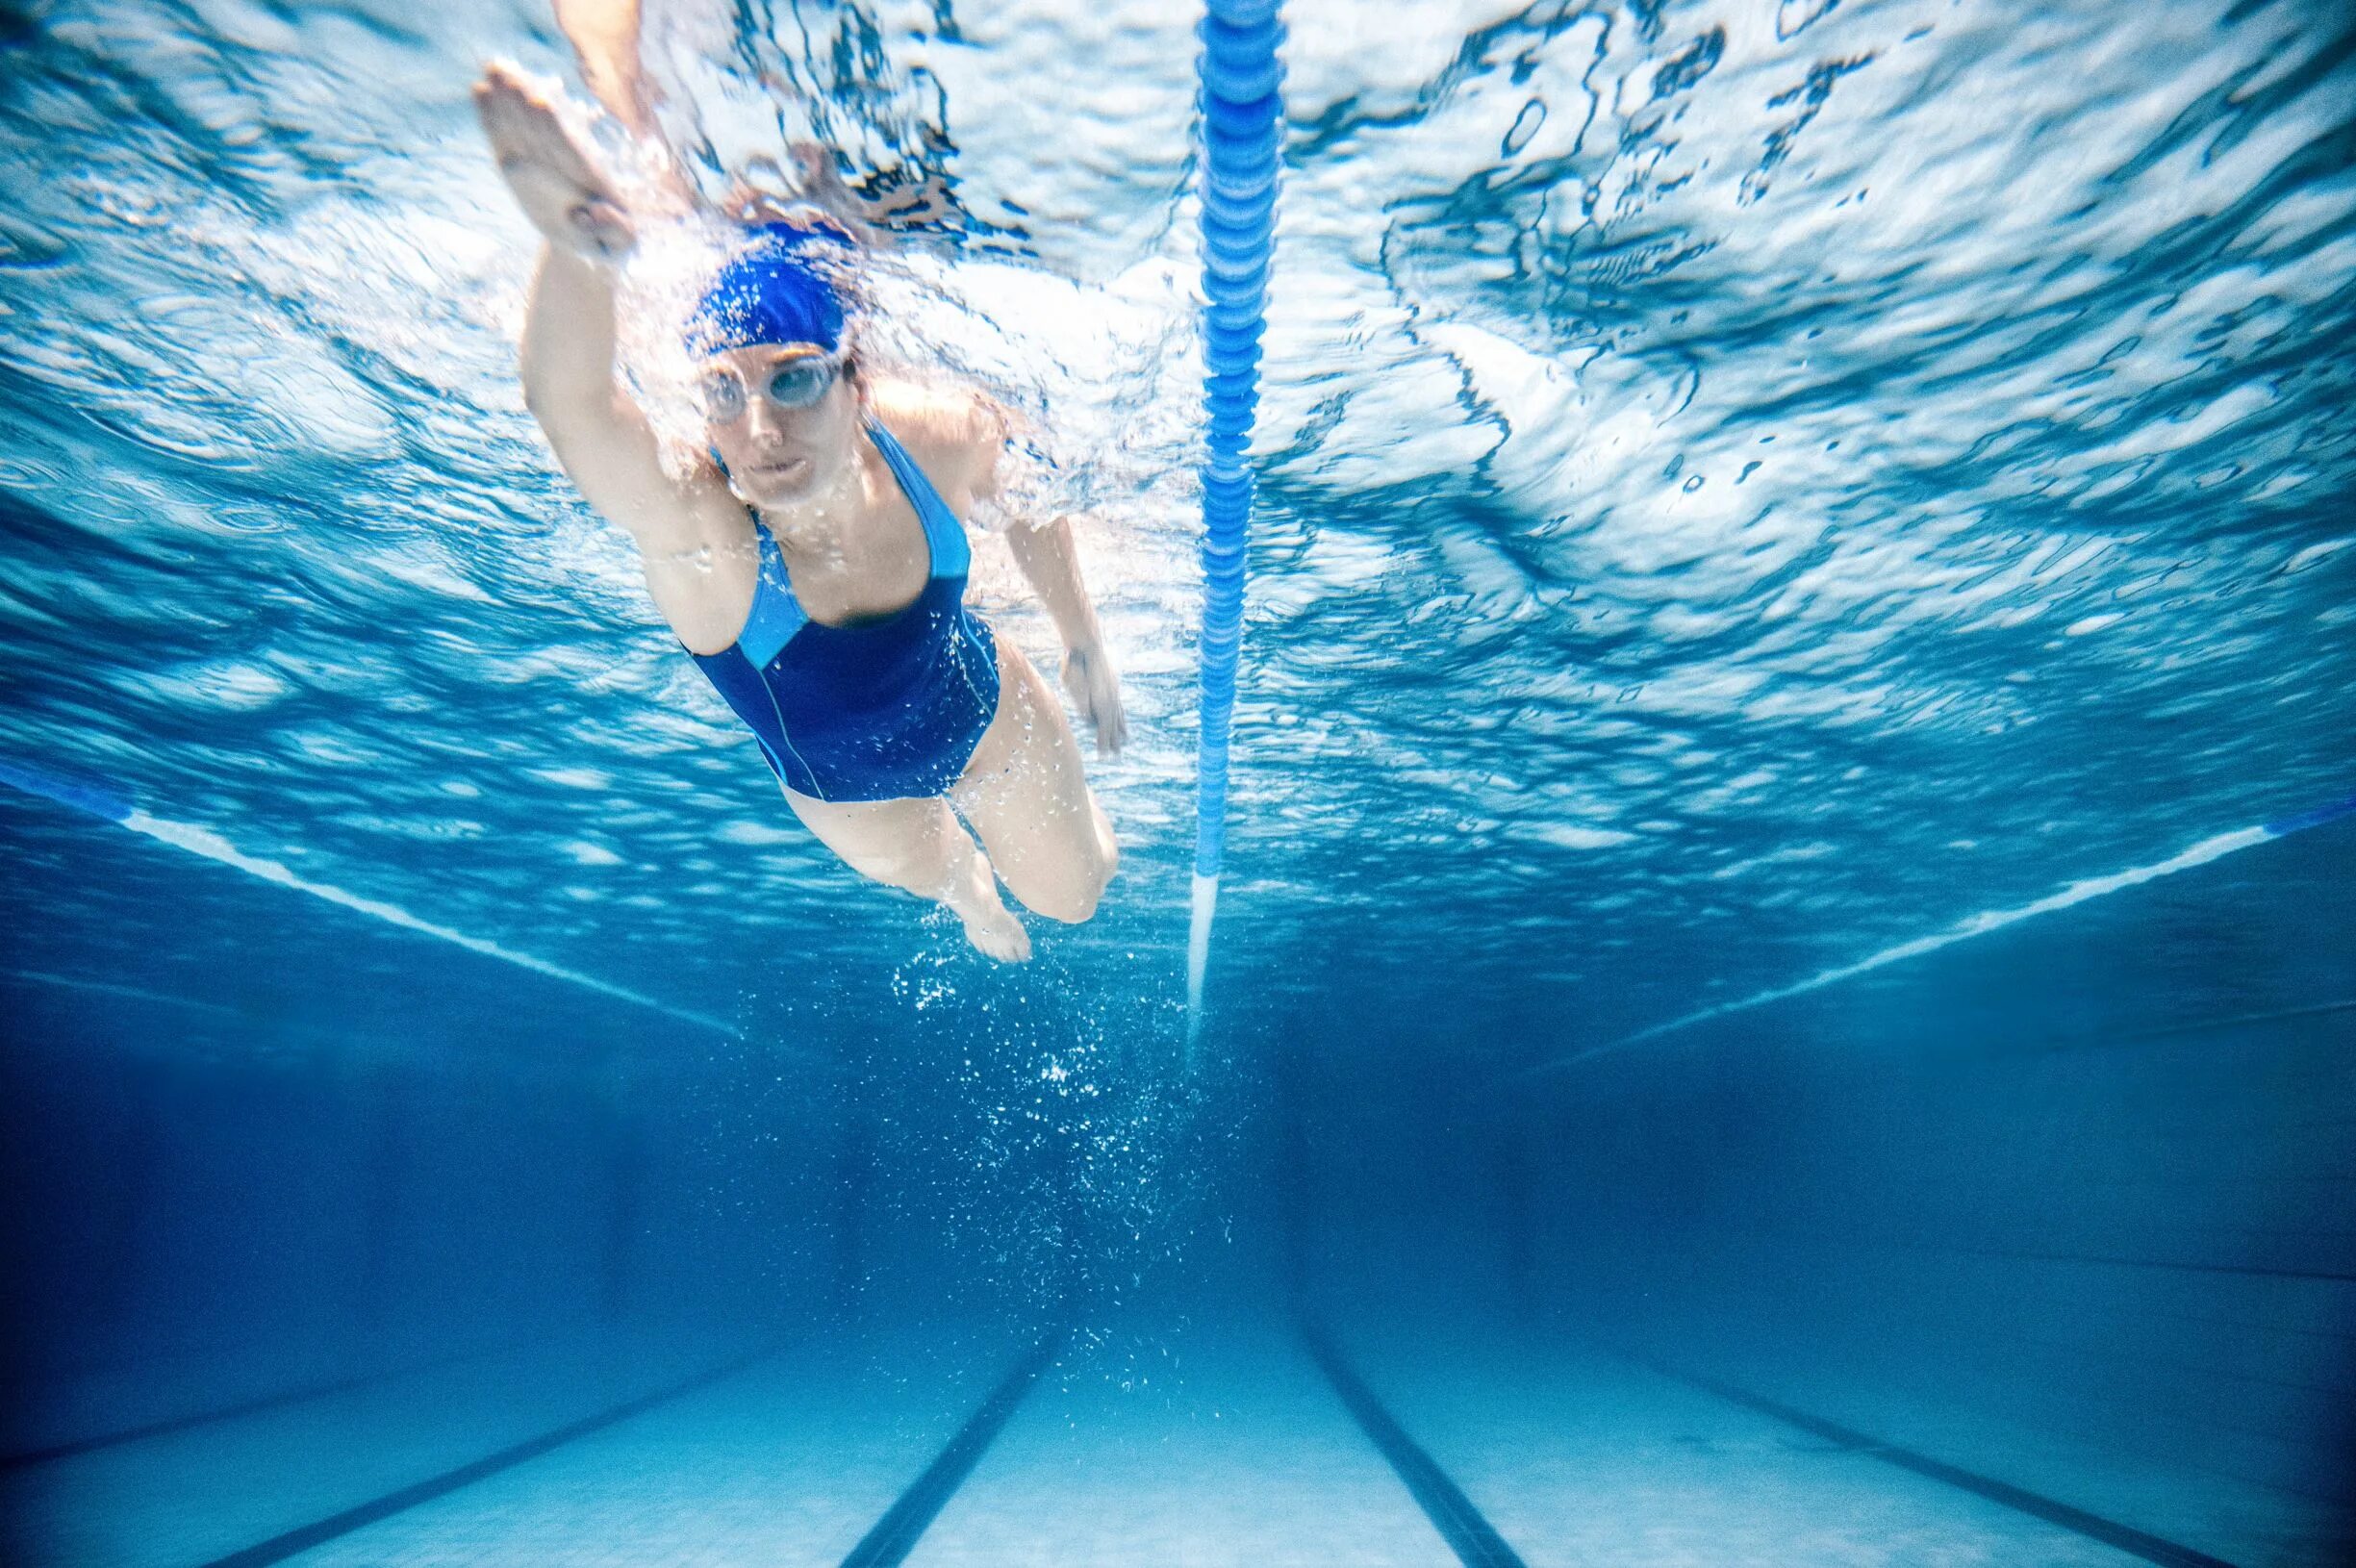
(559,187)
(1094,686)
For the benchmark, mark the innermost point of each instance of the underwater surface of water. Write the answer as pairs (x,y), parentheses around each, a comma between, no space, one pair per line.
(1799,694)
(1747,485)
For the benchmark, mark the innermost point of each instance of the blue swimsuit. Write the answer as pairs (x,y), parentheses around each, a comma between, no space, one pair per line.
(876,709)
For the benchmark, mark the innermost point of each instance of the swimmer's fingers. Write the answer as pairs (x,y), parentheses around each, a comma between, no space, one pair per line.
(1114,738)
(1111,717)
(521,117)
(565,194)
(1095,691)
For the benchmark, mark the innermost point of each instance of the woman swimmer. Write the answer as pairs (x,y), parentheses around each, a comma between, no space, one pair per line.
(815,567)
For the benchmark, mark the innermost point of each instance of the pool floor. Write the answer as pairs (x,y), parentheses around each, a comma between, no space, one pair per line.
(1273,1446)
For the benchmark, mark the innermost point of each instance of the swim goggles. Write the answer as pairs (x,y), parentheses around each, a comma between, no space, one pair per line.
(795,384)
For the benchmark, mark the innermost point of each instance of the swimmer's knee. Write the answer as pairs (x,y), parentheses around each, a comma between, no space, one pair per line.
(1071,905)
(899,869)
(1100,867)
(1077,903)
(926,857)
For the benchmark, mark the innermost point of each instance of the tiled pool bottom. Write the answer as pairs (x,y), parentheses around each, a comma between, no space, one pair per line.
(1262,1447)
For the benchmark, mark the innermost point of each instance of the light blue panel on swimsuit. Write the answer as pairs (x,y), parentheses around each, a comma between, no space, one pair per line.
(777,615)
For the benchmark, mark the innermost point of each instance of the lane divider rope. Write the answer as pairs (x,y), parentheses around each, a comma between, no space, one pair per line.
(1241,157)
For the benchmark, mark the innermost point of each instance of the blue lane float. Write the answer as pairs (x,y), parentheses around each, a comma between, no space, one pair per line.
(1239,161)
(110,805)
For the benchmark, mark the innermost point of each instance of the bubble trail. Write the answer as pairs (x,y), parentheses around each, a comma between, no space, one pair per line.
(1242,131)
(101,802)
(1981,925)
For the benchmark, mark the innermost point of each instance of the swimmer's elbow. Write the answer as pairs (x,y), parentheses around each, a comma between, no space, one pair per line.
(545,402)
(571,398)
(550,396)
(573,416)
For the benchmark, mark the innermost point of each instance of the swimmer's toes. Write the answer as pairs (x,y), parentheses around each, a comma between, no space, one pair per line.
(998,934)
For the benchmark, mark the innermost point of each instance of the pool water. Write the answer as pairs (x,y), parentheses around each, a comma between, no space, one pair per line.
(1784,985)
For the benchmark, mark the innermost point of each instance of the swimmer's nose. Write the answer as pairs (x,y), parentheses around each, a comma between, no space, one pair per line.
(762,417)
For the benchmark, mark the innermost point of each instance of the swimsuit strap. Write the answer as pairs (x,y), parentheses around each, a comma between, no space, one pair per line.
(944,535)
(777,615)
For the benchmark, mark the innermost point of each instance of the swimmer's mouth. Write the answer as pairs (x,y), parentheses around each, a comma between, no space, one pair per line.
(793,469)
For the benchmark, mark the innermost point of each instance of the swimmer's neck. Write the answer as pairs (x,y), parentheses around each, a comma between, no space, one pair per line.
(817,524)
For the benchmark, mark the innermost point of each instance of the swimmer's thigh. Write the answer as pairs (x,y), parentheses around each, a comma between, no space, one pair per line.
(1027,794)
(916,844)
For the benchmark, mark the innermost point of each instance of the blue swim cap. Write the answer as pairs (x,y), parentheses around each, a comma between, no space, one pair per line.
(780,288)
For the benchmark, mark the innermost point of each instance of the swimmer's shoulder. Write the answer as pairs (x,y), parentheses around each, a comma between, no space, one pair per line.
(953,433)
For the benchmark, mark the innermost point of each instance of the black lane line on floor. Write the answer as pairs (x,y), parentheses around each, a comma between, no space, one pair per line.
(2094,1526)
(1470,1535)
(27,1457)
(895,1536)
(279,1548)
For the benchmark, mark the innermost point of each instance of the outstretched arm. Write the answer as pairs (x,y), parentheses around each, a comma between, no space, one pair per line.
(598,432)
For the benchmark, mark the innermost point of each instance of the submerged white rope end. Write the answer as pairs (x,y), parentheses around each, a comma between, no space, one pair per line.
(1199,952)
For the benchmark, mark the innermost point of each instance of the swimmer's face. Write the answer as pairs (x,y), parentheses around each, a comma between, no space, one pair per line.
(781,416)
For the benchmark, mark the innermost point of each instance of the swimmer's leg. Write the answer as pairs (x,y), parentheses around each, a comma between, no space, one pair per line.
(1026,795)
(917,845)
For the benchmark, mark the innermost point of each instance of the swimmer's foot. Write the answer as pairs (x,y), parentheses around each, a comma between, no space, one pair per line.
(997,933)
(989,925)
